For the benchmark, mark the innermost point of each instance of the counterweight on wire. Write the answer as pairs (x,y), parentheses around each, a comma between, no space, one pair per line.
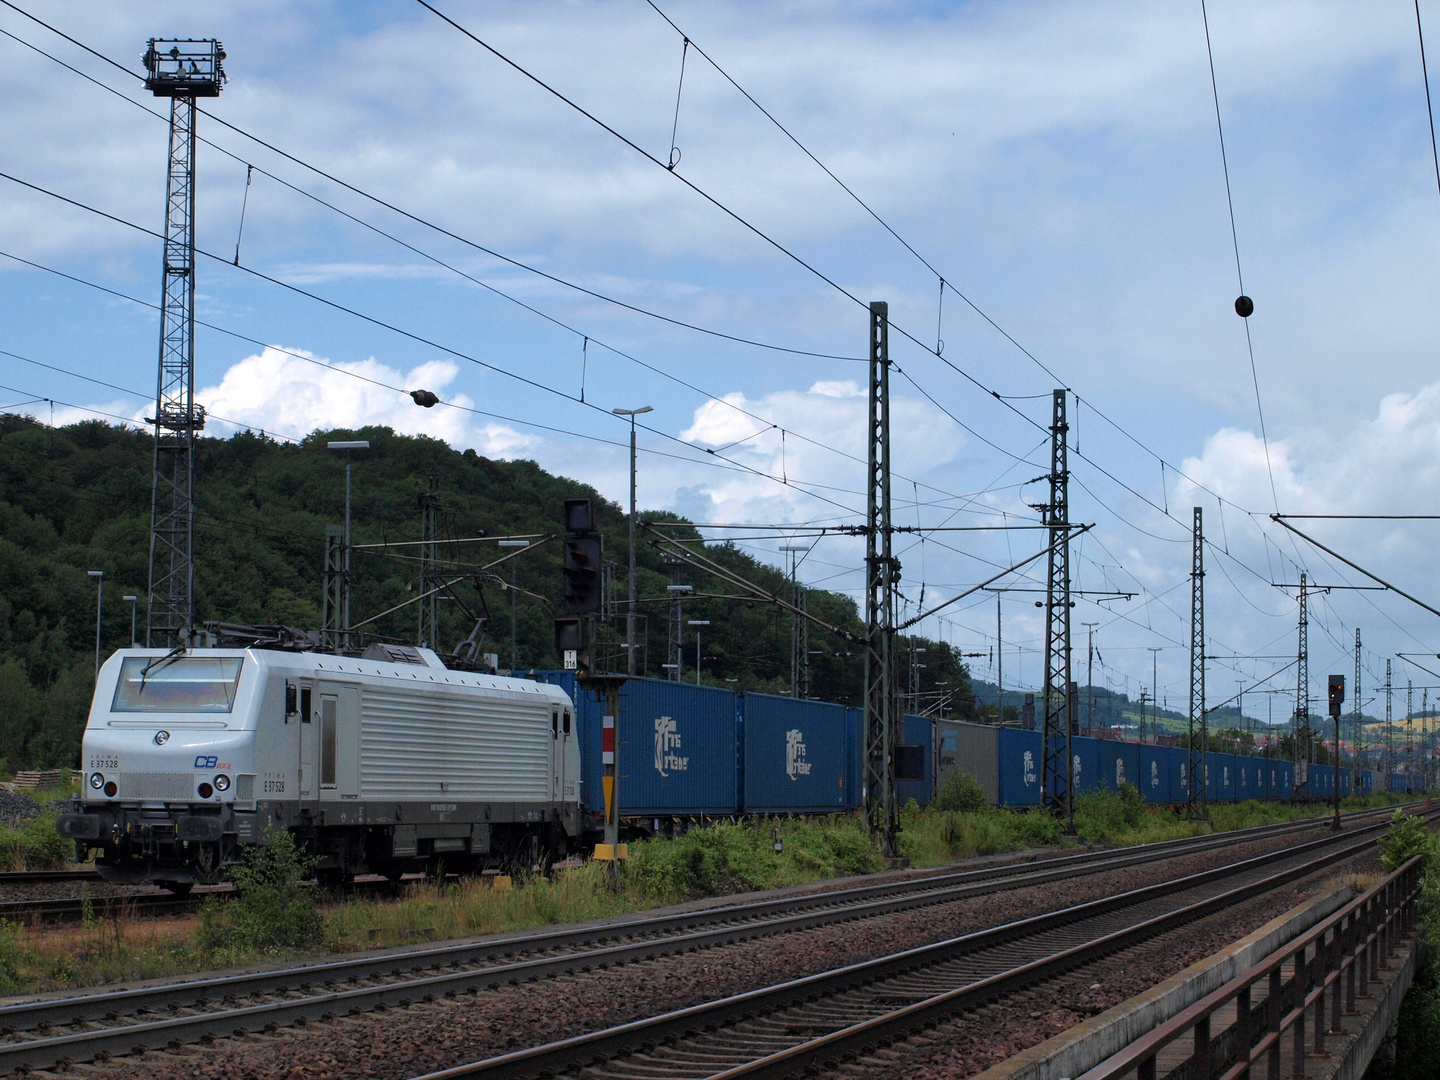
(181,70)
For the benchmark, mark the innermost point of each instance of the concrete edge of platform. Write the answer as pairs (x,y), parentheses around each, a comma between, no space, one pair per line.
(1088,1043)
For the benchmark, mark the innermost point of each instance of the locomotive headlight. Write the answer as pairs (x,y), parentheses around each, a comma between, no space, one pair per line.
(97,780)
(222,782)
(205,791)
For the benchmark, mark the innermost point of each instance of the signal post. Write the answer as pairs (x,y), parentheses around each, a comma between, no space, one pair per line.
(1337,699)
(581,597)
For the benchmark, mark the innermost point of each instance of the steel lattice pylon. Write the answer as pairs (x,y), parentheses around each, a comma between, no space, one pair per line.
(881,570)
(1197,771)
(1057,776)
(181,71)
(1302,686)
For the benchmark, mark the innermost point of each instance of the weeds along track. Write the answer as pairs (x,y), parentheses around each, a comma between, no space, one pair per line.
(822,1020)
(81,1026)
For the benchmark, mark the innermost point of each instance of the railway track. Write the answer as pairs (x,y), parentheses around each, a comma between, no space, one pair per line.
(78,1027)
(820,1020)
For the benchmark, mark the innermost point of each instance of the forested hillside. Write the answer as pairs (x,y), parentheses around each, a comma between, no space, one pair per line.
(76,499)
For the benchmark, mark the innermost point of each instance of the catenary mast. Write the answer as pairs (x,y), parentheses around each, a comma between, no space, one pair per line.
(182,70)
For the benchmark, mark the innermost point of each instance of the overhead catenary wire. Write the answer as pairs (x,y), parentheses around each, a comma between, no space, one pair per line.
(1112,477)
(586,338)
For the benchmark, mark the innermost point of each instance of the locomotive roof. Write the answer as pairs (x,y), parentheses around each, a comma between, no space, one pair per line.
(431,672)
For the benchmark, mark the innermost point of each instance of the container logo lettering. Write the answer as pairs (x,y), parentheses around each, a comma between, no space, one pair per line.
(1119,771)
(795,763)
(1029,766)
(667,743)
(1154,774)
(1076,763)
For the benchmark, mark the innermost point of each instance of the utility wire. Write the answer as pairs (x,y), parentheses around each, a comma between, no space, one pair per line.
(586,338)
(1235,240)
(519,264)
(1429,108)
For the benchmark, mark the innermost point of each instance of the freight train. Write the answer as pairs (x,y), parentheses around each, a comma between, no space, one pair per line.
(390,762)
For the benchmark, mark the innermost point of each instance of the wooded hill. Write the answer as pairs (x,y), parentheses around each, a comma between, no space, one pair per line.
(77,498)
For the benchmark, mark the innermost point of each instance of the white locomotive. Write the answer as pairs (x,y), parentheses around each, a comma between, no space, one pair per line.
(382,763)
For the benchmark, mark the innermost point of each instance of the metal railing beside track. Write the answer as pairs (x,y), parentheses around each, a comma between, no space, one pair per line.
(1333,963)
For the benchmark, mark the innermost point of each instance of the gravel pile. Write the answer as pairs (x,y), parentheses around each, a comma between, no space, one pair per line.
(401,1043)
(16,808)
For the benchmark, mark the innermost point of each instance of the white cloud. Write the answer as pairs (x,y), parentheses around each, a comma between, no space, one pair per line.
(291,392)
(824,450)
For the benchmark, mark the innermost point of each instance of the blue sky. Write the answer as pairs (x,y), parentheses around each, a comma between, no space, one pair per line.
(1055,162)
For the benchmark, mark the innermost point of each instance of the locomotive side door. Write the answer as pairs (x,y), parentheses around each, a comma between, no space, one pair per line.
(338,740)
(308,738)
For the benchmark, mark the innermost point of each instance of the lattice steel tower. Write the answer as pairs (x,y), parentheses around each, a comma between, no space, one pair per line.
(1302,682)
(181,70)
(1057,775)
(1198,765)
(882,571)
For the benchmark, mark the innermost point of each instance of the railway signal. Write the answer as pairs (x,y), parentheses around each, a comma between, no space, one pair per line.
(1337,699)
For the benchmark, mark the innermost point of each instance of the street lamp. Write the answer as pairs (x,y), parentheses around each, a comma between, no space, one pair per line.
(347,445)
(513,582)
(99,576)
(630,613)
(697,623)
(132,599)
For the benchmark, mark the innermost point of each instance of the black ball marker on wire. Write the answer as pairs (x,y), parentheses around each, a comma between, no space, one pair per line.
(1244,306)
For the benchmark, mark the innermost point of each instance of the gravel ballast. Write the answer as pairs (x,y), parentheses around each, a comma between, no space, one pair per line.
(401,1043)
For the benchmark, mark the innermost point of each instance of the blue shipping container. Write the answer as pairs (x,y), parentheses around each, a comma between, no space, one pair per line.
(918,732)
(1119,763)
(1088,774)
(677,748)
(1179,779)
(1246,774)
(1224,766)
(1020,763)
(795,756)
(1155,778)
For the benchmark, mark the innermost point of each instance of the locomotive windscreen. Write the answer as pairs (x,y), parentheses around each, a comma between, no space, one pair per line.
(204,684)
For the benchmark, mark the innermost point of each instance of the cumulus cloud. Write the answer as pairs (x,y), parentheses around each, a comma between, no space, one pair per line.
(292,392)
(825,449)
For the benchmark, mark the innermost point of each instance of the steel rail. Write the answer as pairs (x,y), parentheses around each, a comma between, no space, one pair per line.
(29,877)
(420,972)
(588,1050)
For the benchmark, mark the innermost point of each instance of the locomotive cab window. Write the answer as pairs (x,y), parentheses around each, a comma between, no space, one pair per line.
(184,684)
(567,722)
(305,704)
(329,720)
(555,722)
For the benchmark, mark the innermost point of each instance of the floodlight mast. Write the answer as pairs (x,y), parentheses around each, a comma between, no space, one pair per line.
(181,70)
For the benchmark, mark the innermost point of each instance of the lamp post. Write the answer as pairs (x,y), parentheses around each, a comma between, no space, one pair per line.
(99,576)
(630,610)
(132,599)
(697,623)
(347,445)
(514,581)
